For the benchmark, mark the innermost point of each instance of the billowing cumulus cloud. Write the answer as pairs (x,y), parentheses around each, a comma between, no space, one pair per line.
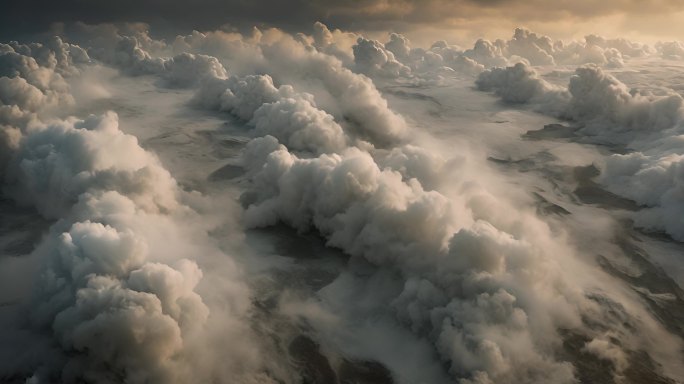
(351,98)
(116,305)
(371,57)
(112,302)
(609,111)
(520,84)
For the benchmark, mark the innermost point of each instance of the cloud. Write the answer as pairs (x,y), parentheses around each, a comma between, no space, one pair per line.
(396,59)
(595,98)
(182,70)
(606,350)
(521,84)
(115,305)
(241,96)
(82,158)
(300,125)
(535,49)
(597,95)
(112,302)
(532,47)
(29,85)
(455,292)
(398,45)
(651,178)
(116,325)
(672,50)
(372,58)
(609,112)
(416,65)
(280,112)
(351,98)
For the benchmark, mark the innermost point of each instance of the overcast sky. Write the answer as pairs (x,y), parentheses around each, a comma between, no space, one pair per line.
(428,19)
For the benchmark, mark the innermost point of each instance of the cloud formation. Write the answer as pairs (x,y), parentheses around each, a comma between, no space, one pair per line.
(113,302)
(609,112)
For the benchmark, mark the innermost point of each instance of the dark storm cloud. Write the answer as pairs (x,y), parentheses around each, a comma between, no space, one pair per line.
(30,16)
(21,17)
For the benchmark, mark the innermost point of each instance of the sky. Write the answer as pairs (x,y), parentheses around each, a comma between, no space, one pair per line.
(458,20)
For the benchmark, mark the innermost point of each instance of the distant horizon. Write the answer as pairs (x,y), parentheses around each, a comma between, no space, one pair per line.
(459,21)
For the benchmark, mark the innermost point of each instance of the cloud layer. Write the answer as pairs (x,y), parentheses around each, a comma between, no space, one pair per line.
(479,264)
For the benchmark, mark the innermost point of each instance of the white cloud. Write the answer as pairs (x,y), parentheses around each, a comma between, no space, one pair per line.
(372,58)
